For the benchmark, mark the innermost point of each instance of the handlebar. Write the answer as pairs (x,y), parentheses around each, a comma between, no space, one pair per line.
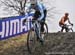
(68,26)
(32,20)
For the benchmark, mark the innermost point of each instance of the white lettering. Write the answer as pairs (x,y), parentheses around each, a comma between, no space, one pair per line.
(16,26)
(29,24)
(13,25)
(3,30)
(23,27)
(7,28)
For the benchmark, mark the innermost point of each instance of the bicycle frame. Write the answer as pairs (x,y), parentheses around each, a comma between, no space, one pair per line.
(37,27)
(68,28)
(35,35)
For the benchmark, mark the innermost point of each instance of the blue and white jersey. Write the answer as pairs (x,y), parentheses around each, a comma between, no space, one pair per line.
(41,8)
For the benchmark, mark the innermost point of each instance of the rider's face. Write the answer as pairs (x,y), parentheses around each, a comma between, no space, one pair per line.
(66,15)
(33,6)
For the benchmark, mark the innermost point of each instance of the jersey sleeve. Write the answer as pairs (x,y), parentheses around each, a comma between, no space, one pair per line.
(41,11)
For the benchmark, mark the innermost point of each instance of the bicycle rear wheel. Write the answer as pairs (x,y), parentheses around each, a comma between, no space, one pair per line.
(45,33)
(31,41)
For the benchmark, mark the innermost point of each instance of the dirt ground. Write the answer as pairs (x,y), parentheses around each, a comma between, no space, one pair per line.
(56,44)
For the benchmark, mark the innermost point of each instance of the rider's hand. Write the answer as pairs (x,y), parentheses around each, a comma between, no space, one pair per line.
(39,20)
(71,24)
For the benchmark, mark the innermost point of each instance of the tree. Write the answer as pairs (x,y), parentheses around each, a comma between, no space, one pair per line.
(51,8)
(18,6)
(11,6)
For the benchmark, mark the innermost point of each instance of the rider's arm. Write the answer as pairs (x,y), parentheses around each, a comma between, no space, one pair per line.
(41,11)
(69,21)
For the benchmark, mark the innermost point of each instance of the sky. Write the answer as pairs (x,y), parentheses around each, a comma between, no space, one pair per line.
(63,6)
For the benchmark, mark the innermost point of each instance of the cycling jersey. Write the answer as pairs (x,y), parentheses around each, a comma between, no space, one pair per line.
(63,20)
(39,14)
(40,8)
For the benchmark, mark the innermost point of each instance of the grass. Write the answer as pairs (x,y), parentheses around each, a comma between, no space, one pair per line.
(12,42)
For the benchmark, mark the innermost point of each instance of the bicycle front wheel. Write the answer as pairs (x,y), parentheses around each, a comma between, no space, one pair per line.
(71,30)
(31,41)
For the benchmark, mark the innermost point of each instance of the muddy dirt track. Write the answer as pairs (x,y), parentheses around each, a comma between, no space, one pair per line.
(56,44)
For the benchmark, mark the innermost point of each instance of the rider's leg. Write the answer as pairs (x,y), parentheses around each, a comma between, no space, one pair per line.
(42,23)
(66,29)
(42,26)
(62,26)
(62,29)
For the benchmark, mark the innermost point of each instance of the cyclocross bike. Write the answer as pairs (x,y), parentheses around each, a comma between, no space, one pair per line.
(68,28)
(35,35)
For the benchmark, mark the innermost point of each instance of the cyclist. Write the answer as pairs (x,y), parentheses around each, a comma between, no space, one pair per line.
(40,12)
(63,20)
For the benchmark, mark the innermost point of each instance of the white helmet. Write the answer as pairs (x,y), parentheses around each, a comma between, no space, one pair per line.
(33,1)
